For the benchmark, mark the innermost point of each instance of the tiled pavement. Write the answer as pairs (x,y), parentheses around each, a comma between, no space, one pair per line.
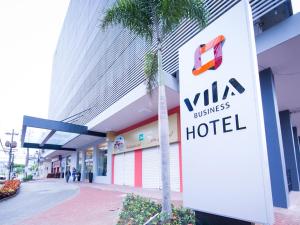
(289,216)
(100,204)
(148,193)
(90,207)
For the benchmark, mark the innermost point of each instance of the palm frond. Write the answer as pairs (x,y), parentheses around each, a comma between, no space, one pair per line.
(153,19)
(150,69)
(172,12)
(131,14)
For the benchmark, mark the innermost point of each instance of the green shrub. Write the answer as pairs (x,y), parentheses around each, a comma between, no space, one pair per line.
(28,178)
(138,210)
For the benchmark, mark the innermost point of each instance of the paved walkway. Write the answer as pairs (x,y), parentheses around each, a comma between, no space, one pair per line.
(289,216)
(148,193)
(33,198)
(91,204)
(95,204)
(90,207)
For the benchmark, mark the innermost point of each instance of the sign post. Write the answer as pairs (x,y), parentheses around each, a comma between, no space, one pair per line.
(225,164)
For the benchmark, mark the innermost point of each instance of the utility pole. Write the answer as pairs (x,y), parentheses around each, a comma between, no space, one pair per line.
(26,162)
(11,145)
(38,162)
(12,163)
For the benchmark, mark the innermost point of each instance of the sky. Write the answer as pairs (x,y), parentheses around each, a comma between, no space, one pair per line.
(29,31)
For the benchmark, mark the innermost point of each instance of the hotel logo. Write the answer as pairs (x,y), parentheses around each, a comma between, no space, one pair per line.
(213,64)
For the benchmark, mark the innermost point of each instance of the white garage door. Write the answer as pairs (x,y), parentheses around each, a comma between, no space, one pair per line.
(118,170)
(151,168)
(124,169)
(174,167)
(129,168)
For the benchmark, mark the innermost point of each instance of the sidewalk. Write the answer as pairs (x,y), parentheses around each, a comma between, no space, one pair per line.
(90,206)
(94,204)
(290,216)
(100,204)
(145,192)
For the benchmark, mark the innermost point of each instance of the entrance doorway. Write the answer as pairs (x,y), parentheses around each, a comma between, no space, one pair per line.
(89,162)
(102,160)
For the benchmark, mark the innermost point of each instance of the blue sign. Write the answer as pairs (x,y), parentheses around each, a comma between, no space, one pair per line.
(141,137)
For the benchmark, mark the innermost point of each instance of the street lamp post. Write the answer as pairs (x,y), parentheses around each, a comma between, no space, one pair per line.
(11,145)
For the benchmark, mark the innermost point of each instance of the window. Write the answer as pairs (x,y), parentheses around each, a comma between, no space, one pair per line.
(68,163)
(102,160)
(80,161)
(89,161)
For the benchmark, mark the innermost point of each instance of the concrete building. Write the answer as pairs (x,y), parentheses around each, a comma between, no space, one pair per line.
(98,82)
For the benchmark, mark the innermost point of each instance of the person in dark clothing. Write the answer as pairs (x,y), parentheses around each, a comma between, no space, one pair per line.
(74,174)
(68,174)
(78,176)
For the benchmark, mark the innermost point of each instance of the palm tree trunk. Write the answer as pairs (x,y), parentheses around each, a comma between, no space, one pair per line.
(163,124)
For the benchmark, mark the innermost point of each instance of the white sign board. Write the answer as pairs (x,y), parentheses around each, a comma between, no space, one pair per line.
(225,164)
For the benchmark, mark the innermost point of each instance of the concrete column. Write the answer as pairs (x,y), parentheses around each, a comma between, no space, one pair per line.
(110,146)
(297,150)
(83,166)
(77,159)
(74,160)
(95,161)
(289,150)
(274,140)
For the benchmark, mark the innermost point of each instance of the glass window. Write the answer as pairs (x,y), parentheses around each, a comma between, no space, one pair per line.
(102,160)
(89,153)
(68,163)
(80,161)
(36,135)
(88,161)
(63,165)
(61,138)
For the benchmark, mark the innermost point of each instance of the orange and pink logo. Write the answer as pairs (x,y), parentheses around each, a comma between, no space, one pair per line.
(213,64)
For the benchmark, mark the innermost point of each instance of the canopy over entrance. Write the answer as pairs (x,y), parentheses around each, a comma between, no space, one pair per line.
(54,135)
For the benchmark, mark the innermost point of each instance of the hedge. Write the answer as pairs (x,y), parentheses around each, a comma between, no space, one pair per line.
(138,210)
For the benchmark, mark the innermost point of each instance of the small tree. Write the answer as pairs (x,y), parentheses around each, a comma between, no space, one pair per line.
(153,20)
(19,168)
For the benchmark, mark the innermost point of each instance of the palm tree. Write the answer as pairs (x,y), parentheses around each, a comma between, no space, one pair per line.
(153,20)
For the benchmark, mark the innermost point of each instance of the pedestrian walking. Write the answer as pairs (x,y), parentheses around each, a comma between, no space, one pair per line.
(68,174)
(78,175)
(74,174)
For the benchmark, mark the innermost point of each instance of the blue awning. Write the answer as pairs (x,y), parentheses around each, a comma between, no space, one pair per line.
(53,135)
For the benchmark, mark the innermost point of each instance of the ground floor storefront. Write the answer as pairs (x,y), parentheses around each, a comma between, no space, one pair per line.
(129,157)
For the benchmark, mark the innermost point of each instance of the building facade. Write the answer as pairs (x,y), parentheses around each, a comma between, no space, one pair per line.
(98,81)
